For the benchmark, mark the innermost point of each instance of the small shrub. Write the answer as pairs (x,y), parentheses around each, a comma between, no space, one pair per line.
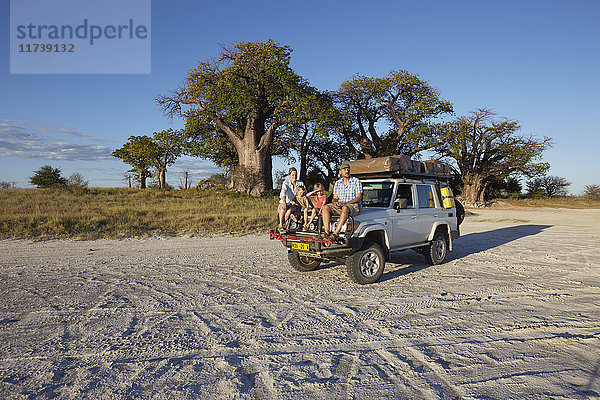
(156,185)
(7,185)
(592,192)
(220,180)
(76,180)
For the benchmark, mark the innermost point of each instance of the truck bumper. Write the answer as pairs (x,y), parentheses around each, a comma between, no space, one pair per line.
(318,247)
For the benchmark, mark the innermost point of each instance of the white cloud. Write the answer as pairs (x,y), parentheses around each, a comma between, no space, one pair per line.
(28,139)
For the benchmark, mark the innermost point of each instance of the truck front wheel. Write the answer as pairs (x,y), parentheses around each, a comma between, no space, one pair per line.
(366,265)
(302,263)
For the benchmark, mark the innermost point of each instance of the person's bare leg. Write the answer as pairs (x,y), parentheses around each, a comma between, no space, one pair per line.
(326,217)
(282,211)
(288,212)
(313,215)
(342,220)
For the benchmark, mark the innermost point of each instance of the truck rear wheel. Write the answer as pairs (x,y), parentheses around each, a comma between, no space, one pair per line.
(435,253)
(302,263)
(460,212)
(366,265)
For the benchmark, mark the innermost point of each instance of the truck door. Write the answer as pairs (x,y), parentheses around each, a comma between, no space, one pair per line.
(403,214)
(428,211)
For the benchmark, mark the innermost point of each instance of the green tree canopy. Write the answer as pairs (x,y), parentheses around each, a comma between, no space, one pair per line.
(141,152)
(487,150)
(170,145)
(317,118)
(237,103)
(390,115)
(46,177)
(327,153)
(205,140)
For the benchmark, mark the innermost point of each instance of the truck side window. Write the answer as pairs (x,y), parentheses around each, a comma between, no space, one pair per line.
(426,196)
(404,193)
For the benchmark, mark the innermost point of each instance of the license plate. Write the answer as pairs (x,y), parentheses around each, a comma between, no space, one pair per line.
(300,246)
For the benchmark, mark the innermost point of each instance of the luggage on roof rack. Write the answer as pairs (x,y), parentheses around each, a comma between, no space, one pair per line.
(399,166)
(435,167)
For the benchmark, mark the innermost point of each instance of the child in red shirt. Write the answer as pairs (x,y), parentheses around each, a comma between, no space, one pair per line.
(319,199)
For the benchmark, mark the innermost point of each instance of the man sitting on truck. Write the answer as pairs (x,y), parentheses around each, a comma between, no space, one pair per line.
(347,196)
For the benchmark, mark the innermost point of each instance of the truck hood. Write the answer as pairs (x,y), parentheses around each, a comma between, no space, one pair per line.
(371,214)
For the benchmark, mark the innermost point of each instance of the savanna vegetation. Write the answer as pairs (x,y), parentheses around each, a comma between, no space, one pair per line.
(95,213)
(246,106)
(121,212)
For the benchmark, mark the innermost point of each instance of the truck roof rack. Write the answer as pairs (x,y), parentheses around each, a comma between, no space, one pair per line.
(400,166)
(402,175)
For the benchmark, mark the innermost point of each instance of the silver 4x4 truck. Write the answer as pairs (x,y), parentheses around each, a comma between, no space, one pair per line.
(398,213)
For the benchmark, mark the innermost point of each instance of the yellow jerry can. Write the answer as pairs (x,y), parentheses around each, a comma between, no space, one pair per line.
(447,197)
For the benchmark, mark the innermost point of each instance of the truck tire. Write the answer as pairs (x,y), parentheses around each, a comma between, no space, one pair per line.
(435,253)
(302,263)
(366,265)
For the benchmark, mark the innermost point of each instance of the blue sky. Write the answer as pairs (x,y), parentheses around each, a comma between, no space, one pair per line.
(533,61)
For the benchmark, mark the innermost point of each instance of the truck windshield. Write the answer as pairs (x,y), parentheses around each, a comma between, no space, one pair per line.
(377,194)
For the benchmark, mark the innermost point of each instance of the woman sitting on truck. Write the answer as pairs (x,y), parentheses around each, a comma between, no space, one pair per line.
(287,195)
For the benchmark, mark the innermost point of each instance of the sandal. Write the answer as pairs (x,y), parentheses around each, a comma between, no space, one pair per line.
(332,237)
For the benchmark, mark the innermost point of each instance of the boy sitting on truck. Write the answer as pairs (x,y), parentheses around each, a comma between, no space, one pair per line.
(302,200)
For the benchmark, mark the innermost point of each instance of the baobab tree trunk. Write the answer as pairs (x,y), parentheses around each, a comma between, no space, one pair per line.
(162,176)
(142,180)
(253,175)
(474,188)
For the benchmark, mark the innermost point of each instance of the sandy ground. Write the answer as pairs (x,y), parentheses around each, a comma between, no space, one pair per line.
(513,313)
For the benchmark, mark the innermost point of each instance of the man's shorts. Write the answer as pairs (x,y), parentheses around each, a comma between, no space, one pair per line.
(354,209)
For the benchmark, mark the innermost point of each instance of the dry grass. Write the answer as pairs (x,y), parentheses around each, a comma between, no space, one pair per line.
(556,202)
(120,212)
